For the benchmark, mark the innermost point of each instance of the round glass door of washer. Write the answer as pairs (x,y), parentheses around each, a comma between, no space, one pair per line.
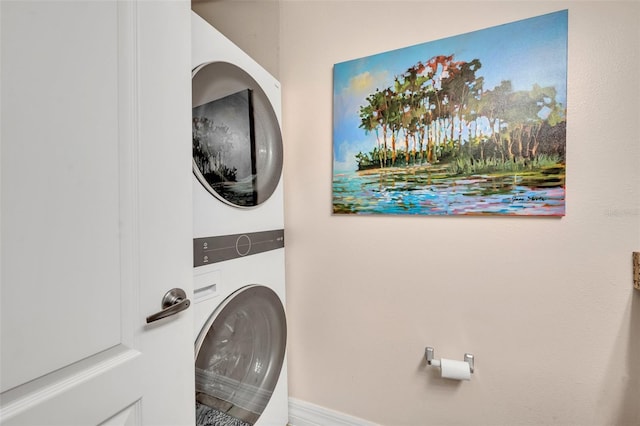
(239,355)
(237,143)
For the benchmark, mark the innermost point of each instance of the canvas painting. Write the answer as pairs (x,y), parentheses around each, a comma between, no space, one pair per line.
(473,124)
(224,147)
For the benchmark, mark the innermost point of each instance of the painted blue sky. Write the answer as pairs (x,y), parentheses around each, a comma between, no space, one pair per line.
(525,52)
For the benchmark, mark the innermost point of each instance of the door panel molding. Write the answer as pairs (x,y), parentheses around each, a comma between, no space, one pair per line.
(41,398)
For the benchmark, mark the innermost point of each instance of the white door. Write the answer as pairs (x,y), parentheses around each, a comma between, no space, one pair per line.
(95,212)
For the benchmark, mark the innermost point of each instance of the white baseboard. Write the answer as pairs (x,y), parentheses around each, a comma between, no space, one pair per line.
(302,413)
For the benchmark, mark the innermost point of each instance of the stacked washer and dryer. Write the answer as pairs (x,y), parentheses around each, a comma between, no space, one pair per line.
(239,291)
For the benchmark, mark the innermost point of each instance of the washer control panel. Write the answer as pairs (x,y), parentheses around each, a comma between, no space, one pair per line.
(209,250)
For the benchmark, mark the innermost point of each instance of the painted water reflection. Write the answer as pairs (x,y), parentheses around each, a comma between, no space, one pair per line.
(422,193)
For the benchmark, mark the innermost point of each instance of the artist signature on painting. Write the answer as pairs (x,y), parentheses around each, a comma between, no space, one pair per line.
(528,198)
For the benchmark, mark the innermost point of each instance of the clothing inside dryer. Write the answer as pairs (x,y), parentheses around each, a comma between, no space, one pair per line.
(239,356)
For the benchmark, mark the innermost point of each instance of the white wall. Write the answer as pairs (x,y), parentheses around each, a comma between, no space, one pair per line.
(546,305)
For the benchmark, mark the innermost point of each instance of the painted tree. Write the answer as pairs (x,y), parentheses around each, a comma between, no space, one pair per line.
(494,105)
(440,107)
(393,119)
(550,113)
(369,122)
(460,86)
(374,116)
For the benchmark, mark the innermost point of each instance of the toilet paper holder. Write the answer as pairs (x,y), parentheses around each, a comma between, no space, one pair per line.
(429,355)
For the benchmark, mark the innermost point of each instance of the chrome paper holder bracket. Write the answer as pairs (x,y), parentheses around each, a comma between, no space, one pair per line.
(429,355)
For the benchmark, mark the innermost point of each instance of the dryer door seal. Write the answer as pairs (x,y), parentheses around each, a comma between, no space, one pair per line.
(239,355)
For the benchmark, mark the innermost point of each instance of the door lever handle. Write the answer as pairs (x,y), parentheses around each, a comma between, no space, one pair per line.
(174,301)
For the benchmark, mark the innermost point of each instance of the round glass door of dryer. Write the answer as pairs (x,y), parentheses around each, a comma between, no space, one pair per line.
(237,143)
(239,356)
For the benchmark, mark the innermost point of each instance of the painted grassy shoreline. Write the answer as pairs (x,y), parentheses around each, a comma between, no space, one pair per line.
(552,173)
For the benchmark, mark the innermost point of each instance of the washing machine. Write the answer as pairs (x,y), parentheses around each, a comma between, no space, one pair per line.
(238,240)
(240,342)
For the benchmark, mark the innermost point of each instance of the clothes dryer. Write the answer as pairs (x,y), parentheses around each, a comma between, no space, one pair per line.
(237,142)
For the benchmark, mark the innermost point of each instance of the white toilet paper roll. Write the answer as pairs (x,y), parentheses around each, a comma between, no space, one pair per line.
(456,370)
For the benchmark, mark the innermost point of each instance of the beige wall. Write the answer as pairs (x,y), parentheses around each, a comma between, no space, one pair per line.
(253,25)
(546,305)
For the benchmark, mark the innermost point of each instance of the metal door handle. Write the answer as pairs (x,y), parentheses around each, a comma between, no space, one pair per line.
(174,301)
